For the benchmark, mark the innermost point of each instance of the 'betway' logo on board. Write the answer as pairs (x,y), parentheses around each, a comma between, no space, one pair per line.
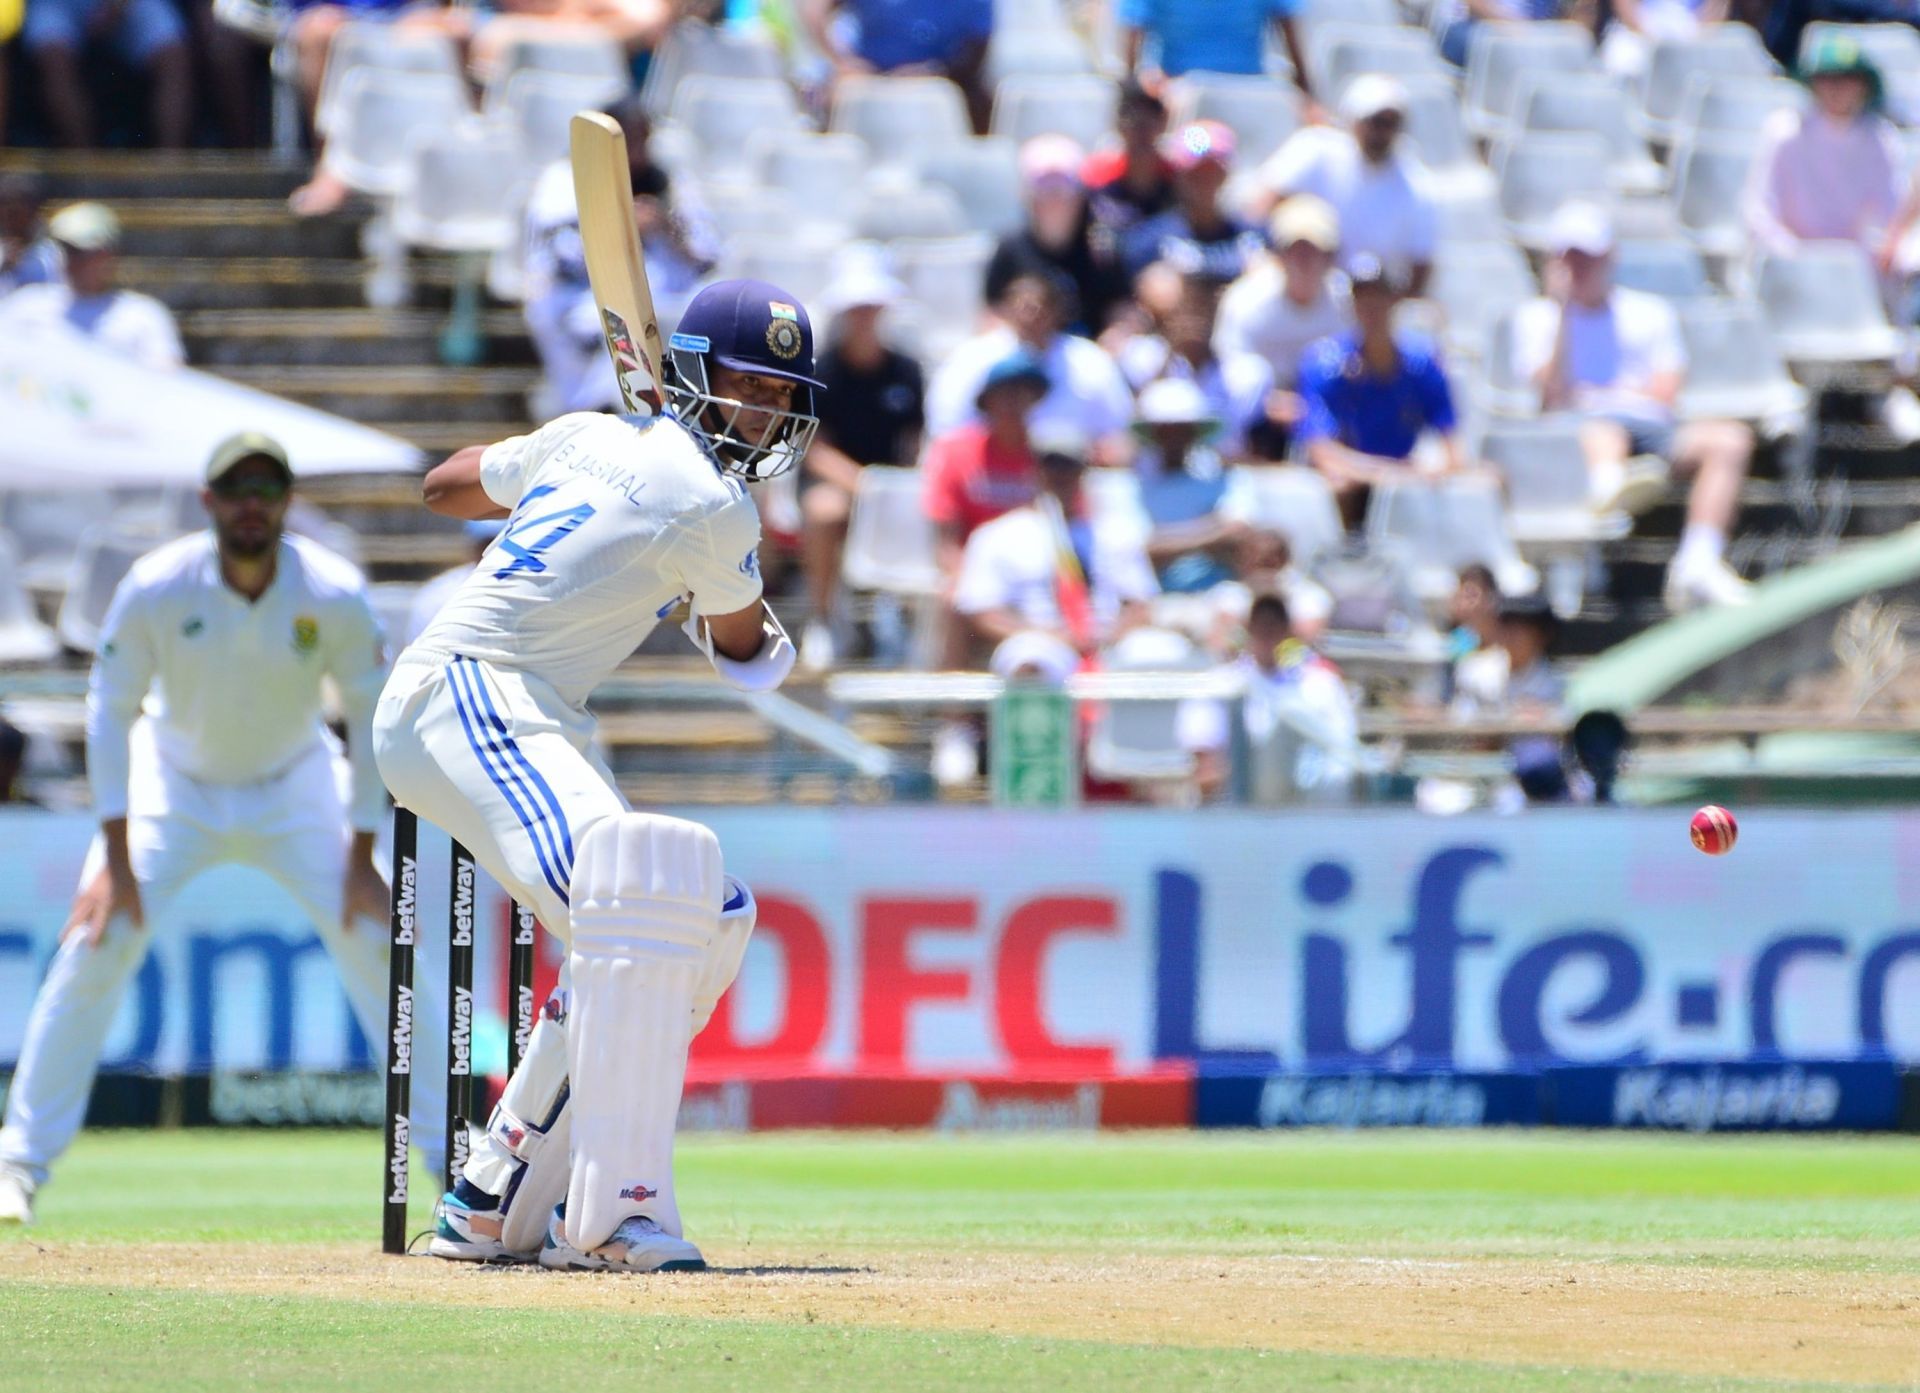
(397,1161)
(402,1061)
(962,1109)
(403,903)
(463,905)
(1703,1101)
(1363,1101)
(460,1037)
(523,1019)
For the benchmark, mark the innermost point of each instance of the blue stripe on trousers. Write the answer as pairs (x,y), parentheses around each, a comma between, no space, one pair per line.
(469,719)
(553,803)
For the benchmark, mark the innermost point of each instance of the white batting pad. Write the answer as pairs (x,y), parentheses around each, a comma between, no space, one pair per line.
(646,895)
(737,916)
(522,1154)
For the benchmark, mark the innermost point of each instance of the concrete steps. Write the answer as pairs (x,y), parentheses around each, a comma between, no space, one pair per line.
(379,396)
(255,338)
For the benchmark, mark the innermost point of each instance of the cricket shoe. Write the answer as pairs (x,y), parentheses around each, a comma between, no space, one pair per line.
(16,1197)
(464,1234)
(638,1245)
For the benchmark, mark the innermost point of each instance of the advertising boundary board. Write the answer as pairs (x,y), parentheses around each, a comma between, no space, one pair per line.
(905,942)
(1837,1095)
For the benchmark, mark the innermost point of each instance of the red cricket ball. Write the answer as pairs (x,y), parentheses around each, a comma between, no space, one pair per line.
(1714,830)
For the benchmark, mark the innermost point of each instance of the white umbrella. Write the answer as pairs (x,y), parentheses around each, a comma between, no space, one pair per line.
(75,416)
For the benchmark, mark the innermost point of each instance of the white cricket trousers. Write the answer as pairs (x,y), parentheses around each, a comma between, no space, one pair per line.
(292,826)
(496,760)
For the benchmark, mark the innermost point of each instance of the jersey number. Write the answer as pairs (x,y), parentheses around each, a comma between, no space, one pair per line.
(528,536)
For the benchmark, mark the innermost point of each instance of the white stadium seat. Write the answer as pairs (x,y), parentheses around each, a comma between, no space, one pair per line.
(901,118)
(1539,173)
(384,116)
(984,174)
(467,189)
(365,46)
(1083,107)
(1505,54)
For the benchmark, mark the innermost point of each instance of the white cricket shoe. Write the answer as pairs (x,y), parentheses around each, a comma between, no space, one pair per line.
(16,1197)
(638,1245)
(461,1234)
(1704,584)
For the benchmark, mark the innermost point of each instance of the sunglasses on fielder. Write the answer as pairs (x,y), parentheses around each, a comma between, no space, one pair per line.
(265,488)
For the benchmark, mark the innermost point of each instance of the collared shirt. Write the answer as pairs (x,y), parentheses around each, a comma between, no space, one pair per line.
(233,686)
(1385,210)
(1381,416)
(1215,36)
(615,520)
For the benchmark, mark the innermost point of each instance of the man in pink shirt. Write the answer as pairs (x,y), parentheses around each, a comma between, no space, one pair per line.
(1834,171)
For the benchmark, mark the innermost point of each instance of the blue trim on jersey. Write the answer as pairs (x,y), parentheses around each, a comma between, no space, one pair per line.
(539,781)
(469,720)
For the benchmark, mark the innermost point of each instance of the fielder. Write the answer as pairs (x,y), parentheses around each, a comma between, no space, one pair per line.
(613,521)
(205,746)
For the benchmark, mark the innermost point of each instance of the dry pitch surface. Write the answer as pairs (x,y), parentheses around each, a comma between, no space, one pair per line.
(1305,1261)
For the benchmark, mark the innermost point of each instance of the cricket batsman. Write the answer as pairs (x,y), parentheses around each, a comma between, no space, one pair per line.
(206,746)
(612,522)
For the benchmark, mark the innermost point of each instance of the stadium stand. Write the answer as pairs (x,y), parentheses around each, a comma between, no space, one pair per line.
(1805,346)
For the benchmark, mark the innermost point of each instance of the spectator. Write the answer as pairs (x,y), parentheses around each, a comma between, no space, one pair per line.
(146,34)
(1262,562)
(13,761)
(1058,236)
(1832,172)
(1301,725)
(1286,302)
(1475,614)
(1215,36)
(1183,484)
(1130,181)
(1197,233)
(1087,393)
(1512,676)
(980,470)
(561,313)
(1369,396)
(1236,386)
(309,36)
(1055,565)
(943,38)
(871,413)
(27,255)
(133,325)
(1381,202)
(1616,356)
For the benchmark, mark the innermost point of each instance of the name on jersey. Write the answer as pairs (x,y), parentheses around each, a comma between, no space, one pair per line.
(625,482)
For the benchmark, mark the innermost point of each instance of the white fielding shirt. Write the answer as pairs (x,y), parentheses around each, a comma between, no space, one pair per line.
(615,520)
(125,321)
(232,687)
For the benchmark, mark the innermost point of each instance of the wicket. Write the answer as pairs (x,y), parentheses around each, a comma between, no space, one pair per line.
(403,935)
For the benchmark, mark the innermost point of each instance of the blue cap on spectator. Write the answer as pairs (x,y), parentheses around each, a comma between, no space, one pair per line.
(1022,365)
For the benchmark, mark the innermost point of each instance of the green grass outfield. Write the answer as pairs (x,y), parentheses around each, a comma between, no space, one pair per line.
(213,1261)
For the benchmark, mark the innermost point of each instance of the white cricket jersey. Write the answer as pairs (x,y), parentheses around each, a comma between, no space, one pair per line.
(615,520)
(232,686)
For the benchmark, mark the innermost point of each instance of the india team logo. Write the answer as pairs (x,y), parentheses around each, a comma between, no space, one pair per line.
(306,634)
(783,333)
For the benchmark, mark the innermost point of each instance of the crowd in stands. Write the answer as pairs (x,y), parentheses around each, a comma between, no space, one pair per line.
(1223,301)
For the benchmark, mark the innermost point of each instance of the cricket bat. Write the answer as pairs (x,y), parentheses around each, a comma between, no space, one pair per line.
(603,188)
